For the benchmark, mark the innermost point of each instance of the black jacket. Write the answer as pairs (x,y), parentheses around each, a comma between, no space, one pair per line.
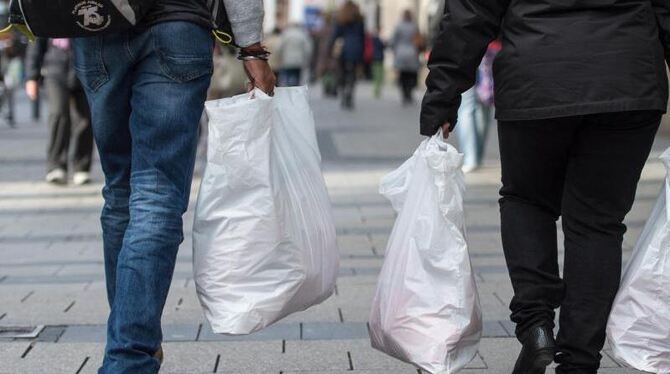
(179,10)
(559,57)
(45,60)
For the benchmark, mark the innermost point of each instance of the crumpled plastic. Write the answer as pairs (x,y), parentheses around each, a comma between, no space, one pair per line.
(264,242)
(426,307)
(639,324)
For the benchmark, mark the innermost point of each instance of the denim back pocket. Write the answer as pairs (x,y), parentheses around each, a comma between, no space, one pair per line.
(184,50)
(88,62)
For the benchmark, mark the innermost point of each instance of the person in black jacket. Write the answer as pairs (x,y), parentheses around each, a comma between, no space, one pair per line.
(580,90)
(69,115)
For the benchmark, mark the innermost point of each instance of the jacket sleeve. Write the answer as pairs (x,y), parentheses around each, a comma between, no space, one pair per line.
(466,29)
(662,9)
(35,58)
(246,18)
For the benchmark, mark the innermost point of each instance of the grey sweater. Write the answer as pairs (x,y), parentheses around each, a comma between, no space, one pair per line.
(246,16)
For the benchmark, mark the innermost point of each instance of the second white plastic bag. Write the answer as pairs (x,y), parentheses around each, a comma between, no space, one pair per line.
(639,324)
(426,308)
(264,235)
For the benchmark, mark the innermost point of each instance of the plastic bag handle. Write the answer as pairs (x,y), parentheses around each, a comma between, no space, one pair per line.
(258,93)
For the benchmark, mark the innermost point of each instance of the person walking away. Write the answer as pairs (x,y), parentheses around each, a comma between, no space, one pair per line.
(578,108)
(326,66)
(146,88)
(13,53)
(294,54)
(271,42)
(378,76)
(349,38)
(69,114)
(476,113)
(406,43)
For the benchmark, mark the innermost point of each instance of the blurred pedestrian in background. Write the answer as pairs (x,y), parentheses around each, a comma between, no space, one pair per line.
(69,115)
(378,50)
(271,42)
(13,48)
(475,114)
(348,44)
(407,43)
(294,54)
(326,65)
(228,76)
(12,51)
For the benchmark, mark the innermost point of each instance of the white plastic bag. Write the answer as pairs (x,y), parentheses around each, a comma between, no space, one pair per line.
(426,309)
(639,324)
(264,236)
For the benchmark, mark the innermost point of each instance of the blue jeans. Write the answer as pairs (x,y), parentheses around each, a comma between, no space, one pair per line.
(290,77)
(472,128)
(146,90)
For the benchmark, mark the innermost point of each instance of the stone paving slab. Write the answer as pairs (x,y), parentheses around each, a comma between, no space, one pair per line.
(53,358)
(279,331)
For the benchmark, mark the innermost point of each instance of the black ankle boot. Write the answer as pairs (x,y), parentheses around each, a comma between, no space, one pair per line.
(538,351)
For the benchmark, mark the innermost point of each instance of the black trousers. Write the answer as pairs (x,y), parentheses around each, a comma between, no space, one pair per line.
(348,73)
(69,118)
(407,80)
(584,169)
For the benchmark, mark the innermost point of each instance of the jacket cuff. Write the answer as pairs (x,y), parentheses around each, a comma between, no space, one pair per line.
(435,114)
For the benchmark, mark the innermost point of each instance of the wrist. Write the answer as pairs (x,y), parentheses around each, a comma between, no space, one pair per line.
(254,48)
(254,52)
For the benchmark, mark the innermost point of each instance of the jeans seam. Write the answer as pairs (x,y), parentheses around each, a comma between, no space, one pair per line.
(126,42)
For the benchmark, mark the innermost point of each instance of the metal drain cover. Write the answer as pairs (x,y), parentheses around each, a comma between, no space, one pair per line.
(20,332)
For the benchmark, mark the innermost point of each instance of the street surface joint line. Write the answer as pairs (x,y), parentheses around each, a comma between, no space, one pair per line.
(82,365)
(351,362)
(216,363)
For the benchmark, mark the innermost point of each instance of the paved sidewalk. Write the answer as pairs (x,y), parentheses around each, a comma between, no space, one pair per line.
(52,279)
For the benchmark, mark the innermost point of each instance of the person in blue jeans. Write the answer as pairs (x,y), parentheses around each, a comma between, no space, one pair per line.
(146,89)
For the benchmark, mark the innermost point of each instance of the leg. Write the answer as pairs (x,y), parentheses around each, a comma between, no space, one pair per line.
(284,77)
(348,84)
(412,80)
(103,73)
(402,83)
(298,76)
(604,168)
(485,112)
(534,156)
(378,78)
(11,118)
(59,124)
(168,95)
(82,133)
(466,128)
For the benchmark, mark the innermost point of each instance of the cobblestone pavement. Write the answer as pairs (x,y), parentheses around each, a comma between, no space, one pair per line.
(51,270)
